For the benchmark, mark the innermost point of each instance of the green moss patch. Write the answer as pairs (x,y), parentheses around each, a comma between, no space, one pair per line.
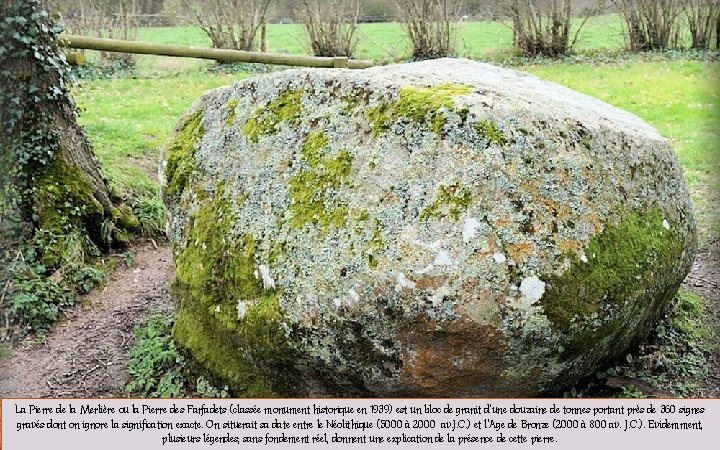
(416,104)
(626,262)
(181,162)
(451,201)
(231,105)
(312,186)
(63,203)
(125,218)
(266,120)
(214,273)
(489,130)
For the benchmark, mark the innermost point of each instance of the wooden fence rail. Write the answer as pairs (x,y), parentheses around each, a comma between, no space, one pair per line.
(146,48)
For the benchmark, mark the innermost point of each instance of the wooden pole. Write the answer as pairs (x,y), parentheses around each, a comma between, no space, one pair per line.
(145,48)
(75,58)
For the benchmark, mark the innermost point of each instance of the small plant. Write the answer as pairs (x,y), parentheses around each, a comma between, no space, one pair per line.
(631,392)
(158,369)
(151,214)
(36,300)
(85,279)
(155,365)
(206,390)
(675,358)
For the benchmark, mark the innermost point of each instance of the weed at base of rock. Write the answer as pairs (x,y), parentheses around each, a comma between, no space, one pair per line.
(158,369)
(672,361)
(155,364)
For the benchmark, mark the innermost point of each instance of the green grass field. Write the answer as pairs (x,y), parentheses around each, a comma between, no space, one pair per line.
(385,42)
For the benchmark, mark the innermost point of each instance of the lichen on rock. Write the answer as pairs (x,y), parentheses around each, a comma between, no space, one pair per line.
(444,228)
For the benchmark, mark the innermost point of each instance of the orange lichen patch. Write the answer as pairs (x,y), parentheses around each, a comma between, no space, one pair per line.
(570,246)
(520,251)
(463,359)
(594,219)
(502,223)
(430,282)
(560,210)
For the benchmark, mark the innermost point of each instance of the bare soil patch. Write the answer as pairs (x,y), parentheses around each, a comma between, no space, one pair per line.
(704,280)
(86,354)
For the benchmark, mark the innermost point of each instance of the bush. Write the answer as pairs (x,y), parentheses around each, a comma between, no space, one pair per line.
(35,300)
(431,26)
(650,24)
(331,26)
(703,17)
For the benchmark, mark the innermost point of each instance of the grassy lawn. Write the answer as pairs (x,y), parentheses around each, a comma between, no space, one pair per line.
(384,42)
(128,120)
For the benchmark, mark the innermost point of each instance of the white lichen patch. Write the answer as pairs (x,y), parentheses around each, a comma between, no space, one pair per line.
(443,259)
(267,280)
(403,283)
(499,257)
(583,258)
(353,297)
(439,294)
(532,289)
(470,228)
(425,269)
(241,307)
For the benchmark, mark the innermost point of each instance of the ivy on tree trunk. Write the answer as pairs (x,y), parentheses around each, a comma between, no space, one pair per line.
(51,185)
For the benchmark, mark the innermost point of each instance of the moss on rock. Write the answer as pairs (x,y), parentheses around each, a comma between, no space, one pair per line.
(451,201)
(420,105)
(181,162)
(311,187)
(125,218)
(231,105)
(625,260)
(489,130)
(287,107)
(228,320)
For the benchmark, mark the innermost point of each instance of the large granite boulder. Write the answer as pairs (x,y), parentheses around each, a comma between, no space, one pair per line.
(443,228)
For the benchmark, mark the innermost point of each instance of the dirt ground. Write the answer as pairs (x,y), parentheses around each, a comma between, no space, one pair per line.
(704,280)
(86,353)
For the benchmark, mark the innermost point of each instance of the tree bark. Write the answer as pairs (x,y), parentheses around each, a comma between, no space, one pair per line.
(54,182)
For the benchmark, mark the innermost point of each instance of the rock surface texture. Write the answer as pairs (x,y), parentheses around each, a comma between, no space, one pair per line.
(443,228)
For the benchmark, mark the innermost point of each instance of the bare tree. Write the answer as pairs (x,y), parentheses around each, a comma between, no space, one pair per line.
(430,25)
(651,24)
(331,26)
(115,19)
(232,24)
(702,17)
(541,27)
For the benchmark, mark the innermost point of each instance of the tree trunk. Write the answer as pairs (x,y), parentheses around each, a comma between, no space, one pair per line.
(54,186)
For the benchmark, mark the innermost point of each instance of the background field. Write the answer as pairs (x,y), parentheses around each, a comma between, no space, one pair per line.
(387,42)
